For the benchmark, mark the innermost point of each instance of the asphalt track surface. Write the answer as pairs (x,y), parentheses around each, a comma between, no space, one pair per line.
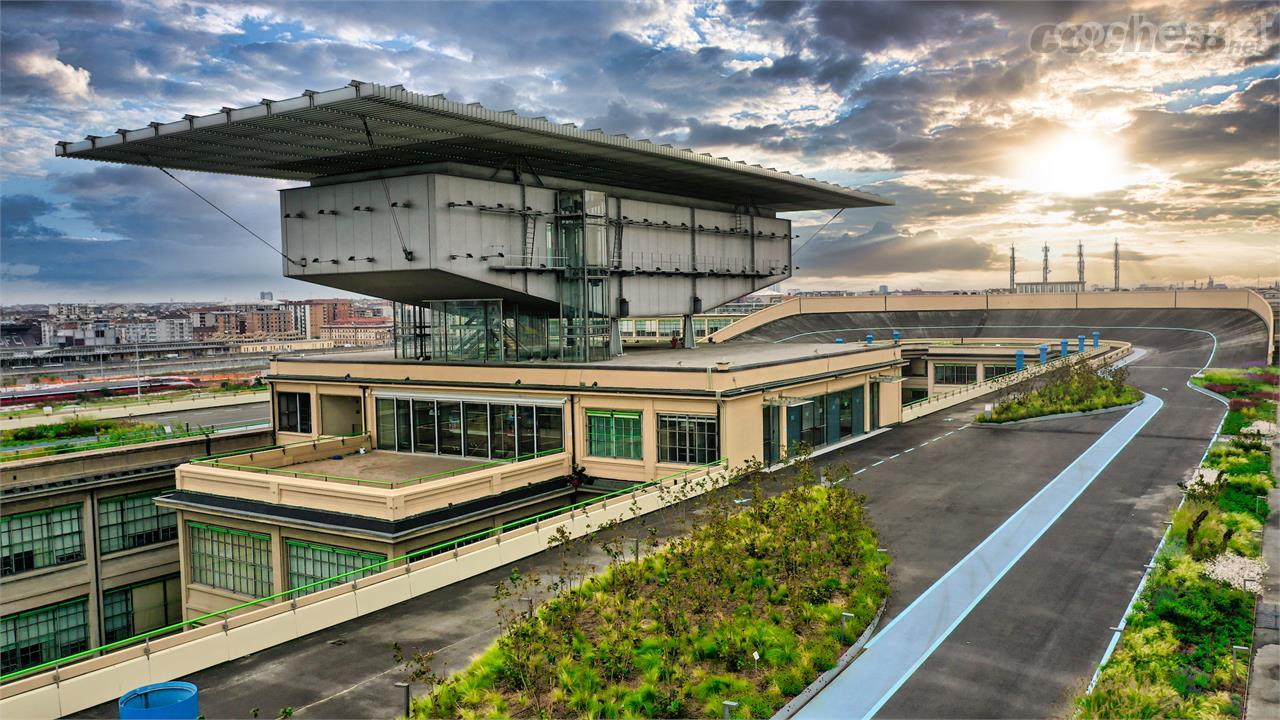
(936,489)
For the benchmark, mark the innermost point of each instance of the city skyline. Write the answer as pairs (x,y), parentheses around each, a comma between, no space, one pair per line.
(981,120)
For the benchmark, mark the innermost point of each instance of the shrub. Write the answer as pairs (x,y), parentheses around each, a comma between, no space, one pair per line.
(1076,388)
(673,634)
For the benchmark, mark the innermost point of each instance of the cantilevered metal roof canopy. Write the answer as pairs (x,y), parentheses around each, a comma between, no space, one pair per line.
(330,133)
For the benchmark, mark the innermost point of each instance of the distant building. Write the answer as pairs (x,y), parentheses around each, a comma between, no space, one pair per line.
(266,295)
(884,289)
(360,332)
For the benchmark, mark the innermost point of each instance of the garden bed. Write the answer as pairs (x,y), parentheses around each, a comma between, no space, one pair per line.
(1071,390)
(1251,392)
(748,607)
(1175,657)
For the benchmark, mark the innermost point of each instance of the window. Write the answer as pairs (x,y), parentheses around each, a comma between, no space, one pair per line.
(230,559)
(955,374)
(311,563)
(476,416)
(994,371)
(550,429)
(139,608)
(43,538)
(690,439)
(44,634)
(502,431)
(404,426)
(130,521)
(424,426)
(386,411)
(294,412)
(614,434)
(449,417)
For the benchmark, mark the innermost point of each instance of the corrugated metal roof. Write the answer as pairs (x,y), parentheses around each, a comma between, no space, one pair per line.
(323,133)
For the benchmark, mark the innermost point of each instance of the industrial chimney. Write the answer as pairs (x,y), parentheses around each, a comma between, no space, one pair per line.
(1013,269)
(1045,271)
(1080,263)
(1116,257)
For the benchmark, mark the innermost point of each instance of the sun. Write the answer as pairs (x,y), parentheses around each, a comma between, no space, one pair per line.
(1073,163)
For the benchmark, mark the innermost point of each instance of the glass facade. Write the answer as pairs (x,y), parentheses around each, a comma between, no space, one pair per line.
(476,331)
(954,374)
(130,521)
(293,412)
(139,608)
(614,434)
(483,430)
(230,559)
(311,563)
(688,439)
(43,635)
(42,538)
(823,420)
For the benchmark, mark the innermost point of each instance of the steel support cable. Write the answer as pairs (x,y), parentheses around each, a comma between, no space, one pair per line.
(796,252)
(210,203)
(386,190)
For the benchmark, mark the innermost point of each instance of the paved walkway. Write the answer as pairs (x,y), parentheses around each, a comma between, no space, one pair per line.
(905,643)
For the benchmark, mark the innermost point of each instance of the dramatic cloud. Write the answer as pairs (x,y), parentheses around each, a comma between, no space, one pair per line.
(991,124)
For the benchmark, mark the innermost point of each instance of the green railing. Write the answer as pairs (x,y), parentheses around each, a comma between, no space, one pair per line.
(391,484)
(125,439)
(294,593)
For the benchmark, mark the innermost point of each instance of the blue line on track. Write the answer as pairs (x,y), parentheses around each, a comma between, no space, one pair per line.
(894,654)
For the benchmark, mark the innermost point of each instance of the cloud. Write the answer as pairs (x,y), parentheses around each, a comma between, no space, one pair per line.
(31,67)
(884,250)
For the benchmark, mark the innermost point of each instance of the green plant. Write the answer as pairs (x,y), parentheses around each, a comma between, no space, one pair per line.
(1074,388)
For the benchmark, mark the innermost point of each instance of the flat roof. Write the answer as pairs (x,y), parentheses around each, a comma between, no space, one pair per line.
(328,133)
(739,355)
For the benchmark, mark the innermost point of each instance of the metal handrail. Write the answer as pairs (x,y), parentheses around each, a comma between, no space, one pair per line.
(454,544)
(1017,377)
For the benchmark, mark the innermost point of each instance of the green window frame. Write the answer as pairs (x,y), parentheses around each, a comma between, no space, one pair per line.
(312,562)
(230,559)
(41,538)
(44,634)
(955,374)
(990,372)
(133,609)
(131,521)
(615,434)
(688,439)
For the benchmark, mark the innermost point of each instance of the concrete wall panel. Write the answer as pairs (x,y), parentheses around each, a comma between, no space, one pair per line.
(260,635)
(325,614)
(43,703)
(370,598)
(190,656)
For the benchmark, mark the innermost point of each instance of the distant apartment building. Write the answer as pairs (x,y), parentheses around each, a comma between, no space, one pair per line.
(160,330)
(80,333)
(359,332)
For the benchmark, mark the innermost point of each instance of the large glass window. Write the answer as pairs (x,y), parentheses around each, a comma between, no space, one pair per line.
(476,416)
(130,521)
(294,412)
(230,559)
(525,430)
(424,426)
(404,426)
(135,609)
(43,538)
(550,429)
(502,431)
(42,635)
(312,563)
(449,418)
(994,371)
(386,409)
(614,434)
(689,439)
(948,374)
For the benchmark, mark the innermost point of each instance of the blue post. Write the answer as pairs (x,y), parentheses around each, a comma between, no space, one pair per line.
(1044,354)
(1066,347)
(1080,339)
(839,341)
(1019,361)
(870,338)
(1096,336)
(897,336)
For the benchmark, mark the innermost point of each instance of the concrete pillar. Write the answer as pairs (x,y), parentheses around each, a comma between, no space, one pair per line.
(689,340)
(615,337)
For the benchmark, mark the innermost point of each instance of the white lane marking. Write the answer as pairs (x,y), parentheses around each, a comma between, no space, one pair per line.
(908,450)
(894,455)
(878,462)
(937,438)
(953,432)
(859,472)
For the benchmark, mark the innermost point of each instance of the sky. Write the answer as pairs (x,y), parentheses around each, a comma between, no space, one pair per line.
(989,124)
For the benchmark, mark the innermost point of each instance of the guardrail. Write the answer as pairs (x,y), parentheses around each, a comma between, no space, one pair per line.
(390,484)
(640,500)
(125,440)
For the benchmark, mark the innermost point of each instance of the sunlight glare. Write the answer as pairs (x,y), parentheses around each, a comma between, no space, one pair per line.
(1076,164)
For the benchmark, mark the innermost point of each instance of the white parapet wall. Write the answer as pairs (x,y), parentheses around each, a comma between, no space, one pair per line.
(93,681)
